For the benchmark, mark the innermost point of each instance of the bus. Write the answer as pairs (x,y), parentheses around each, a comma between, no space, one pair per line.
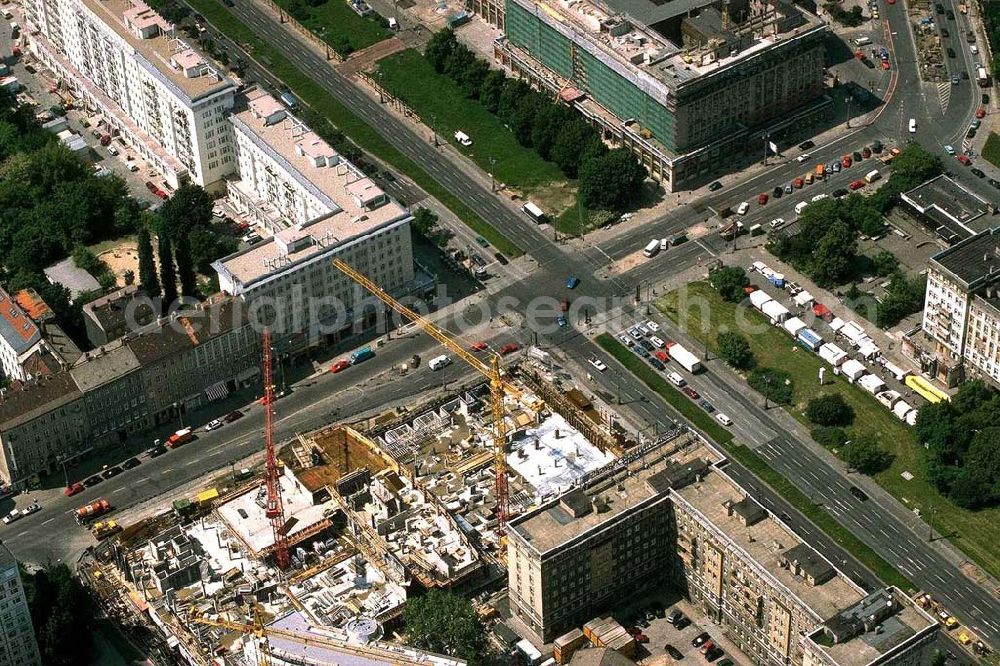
(982,77)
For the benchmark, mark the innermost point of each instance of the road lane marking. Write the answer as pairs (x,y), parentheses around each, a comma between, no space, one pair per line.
(48,521)
(118,490)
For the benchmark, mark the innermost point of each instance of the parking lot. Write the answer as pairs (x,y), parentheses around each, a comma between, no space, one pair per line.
(656,635)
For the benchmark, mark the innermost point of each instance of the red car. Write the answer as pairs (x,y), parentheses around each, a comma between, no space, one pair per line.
(479,346)
(857,184)
(762,198)
(846,161)
(980,112)
(509,348)
(662,355)
(564,305)
(690,392)
(151,186)
(964,160)
(749,289)
(885,64)
(160,193)
(73,489)
(342,364)
(798,182)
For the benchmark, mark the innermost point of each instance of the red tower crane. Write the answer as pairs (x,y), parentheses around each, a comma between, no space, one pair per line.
(275,511)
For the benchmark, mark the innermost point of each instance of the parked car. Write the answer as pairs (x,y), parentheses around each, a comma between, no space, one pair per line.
(92,481)
(673,652)
(214,424)
(572,282)
(340,365)
(806,145)
(131,463)
(964,159)
(111,472)
(234,415)
(598,363)
(700,639)
(714,186)
(509,348)
(978,173)
(73,489)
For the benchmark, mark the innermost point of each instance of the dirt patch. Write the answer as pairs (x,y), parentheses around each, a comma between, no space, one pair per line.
(122,258)
(554,198)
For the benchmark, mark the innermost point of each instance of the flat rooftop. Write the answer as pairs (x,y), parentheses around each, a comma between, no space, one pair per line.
(551,525)
(765,542)
(949,204)
(974,261)
(245,514)
(874,638)
(621,34)
(161,48)
(351,197)
(349,588)
(552,456)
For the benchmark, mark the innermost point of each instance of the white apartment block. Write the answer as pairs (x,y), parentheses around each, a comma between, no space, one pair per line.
(144,83)
(962,308)
(17,637)
(312,205)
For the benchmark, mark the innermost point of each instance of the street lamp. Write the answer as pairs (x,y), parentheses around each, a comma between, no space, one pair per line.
(847,101)
(767,391)
(381,95)
(764,137)
(493,182)
(433,128)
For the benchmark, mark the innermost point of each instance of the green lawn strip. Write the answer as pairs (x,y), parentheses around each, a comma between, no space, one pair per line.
(312,94)
(441,103)
(814,512)
(663,388)
(708,312)
(753,462)
(336,23)
(991,150)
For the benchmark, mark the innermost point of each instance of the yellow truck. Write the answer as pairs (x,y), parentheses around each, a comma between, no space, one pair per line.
(105,529)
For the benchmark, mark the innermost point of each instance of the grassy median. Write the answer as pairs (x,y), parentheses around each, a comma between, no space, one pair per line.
(360,132)
(746,457)
(971,531)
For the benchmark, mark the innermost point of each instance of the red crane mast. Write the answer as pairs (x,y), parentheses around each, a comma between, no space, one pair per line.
(275,511)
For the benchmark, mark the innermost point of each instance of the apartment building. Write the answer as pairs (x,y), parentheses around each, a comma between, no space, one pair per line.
(17,637)
(142,81)
(688,87)
(149,377)
(314,206)
(962,310)
(32,344)
(671,515)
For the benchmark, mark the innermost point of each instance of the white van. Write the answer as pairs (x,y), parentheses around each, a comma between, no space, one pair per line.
(534,212)
(652,248)
(676,379)
(742,210)
(439,362)
(463,138)
(862,41)
(800,206)
(913,125)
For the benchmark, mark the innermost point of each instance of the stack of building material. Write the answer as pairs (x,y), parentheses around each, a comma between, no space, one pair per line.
(606,632)
(567,644)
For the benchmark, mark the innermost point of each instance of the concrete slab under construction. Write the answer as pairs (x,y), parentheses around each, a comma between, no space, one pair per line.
(553,455)
(244,515)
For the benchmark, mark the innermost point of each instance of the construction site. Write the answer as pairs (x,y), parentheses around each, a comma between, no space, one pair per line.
(311,559)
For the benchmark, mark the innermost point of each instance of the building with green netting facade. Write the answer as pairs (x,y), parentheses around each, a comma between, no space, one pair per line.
(691,86)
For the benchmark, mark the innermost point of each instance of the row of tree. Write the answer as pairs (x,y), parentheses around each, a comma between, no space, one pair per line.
(608,179)
(62,614)
(962,438)
(187,244)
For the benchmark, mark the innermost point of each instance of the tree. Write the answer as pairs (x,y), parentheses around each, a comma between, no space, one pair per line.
(168,278)
(148,281)
(447,624)
(885,263)
(185,267)
(830,409)
(729,281)
(865,455)
(834,255)
(460,59)
(189,207)
(62,613)
(522,122)
(548,123)
(576,141)
(490,90)
(209,244)
(128,276)
(439,48)
(510,97)
(610,181)
(939,659)
(471,79)
(424,221)
(735,350)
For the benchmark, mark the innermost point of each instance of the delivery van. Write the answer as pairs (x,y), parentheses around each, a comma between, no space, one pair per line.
(652,248)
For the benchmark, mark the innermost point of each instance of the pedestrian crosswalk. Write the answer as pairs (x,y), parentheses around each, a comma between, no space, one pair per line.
(944,95)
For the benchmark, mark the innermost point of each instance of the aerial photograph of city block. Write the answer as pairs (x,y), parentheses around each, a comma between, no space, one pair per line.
(499,332)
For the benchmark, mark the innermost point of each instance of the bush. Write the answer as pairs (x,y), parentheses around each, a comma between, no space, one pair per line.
(774,385)
(829,437)
(830,410)
(735,350)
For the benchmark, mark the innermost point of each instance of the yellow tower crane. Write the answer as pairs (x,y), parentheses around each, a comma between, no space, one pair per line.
(498,387)
(254,626)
